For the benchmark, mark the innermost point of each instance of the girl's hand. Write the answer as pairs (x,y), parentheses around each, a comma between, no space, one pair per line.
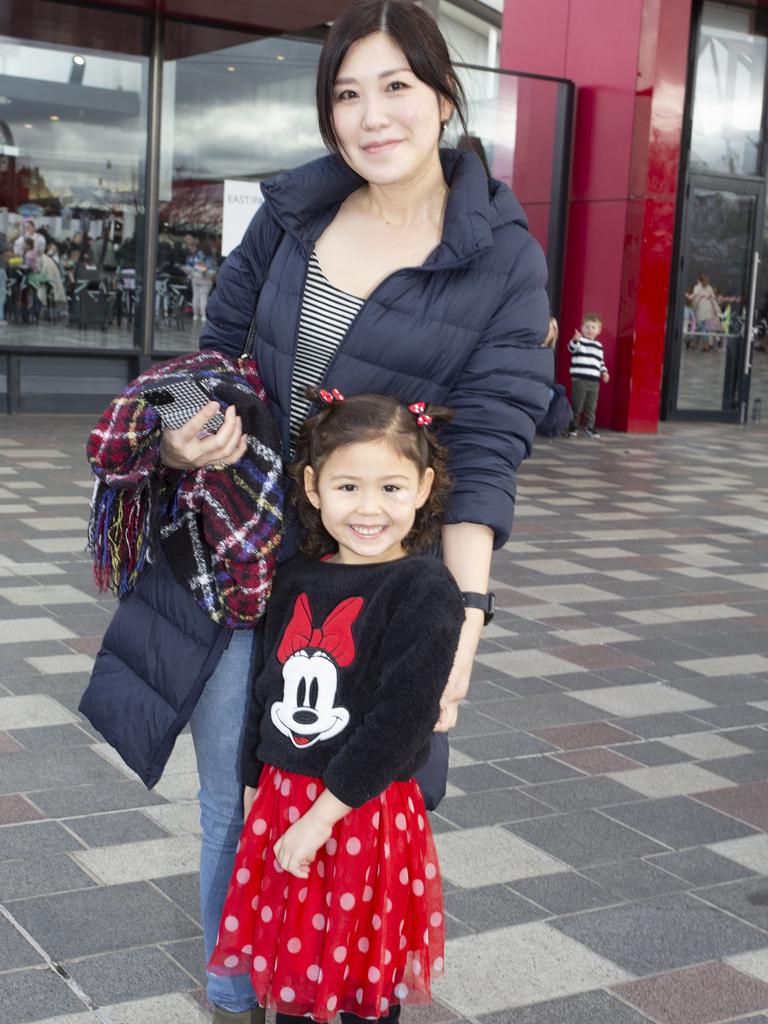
(605,377)
(184,449)
(249,795)
(296,848)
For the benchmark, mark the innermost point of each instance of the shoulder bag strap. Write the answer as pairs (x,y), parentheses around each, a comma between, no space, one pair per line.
(251,336)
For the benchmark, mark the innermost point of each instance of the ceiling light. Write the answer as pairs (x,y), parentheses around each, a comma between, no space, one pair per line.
(54,117)
(231,67)
(27,125)
(79,60)
(279,57)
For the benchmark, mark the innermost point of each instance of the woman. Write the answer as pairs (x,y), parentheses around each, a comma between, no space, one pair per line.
(388,266)
(706,311)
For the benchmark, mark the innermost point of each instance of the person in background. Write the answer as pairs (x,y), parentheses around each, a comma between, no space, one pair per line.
(587,370)
(201,268)
(6,251)
(706,312)
(29,233)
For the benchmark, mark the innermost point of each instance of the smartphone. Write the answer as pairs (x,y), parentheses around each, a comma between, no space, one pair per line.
(177,401)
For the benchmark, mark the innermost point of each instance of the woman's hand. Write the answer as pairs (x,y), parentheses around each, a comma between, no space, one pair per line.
(249,796)
(461,673)
(186,449)
(296,848)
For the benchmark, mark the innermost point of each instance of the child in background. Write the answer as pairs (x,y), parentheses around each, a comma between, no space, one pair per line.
(587,370)
(335,902)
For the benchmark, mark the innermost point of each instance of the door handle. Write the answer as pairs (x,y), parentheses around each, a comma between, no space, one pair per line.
(749,332)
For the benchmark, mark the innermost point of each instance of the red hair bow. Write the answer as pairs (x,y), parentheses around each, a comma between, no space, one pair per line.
(329,397)
(334,636)
(423,419)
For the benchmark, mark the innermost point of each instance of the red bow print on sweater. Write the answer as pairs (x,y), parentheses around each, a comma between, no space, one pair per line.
(334,637)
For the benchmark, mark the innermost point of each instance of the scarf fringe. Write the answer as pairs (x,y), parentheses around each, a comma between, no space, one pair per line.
(122,532)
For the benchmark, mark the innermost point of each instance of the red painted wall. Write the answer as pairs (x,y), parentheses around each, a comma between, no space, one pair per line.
(628,61)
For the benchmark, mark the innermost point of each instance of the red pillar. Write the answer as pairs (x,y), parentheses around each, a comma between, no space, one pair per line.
(628,61)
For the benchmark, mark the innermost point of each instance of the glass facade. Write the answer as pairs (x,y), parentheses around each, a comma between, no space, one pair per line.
(234,108)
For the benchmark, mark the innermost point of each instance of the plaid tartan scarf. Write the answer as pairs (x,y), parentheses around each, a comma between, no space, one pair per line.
(220,527)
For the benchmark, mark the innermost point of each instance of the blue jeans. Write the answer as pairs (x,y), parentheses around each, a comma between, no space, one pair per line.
(217,730)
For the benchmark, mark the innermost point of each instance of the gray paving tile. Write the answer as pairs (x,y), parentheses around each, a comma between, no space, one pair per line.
(661,934)
(700,866)
(455,929)
(754,738)
(102,919)
(678,822)
(113,795)
(541,710)
(15,951)
(491,906)
(651,753)
(651,727)
(733,715)
(51,736)
(724,689)
(564,893)
(26,772)
(747,900)
(109,829)
(128,974)
(538,769)
(577,794)
(474,723)
(634,879)
(744,768)
(184,890)
(190,954)
(475,778)
(34,995)
(585,1008)
(491,808)
(502,745)
(18,841)
(40,874)
(583,838)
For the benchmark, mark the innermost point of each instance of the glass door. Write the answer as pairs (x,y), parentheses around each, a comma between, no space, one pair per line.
(715,306)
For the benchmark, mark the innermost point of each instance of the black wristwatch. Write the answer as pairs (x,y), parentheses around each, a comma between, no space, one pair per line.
(485,602)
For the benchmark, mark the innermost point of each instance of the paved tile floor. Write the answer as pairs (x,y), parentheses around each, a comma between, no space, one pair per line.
(604,839)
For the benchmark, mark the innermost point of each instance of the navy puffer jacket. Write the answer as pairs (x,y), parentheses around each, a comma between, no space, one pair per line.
(462,330)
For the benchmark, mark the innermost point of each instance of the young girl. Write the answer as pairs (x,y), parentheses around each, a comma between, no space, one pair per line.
(335,902)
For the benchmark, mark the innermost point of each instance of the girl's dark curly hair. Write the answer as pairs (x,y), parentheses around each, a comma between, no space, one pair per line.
(364,418)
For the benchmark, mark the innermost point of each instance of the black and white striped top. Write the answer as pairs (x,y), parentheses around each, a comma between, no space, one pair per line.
(326,315)
(587,359)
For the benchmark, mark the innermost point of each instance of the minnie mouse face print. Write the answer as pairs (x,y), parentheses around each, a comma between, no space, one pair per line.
(306,713)
(311,658)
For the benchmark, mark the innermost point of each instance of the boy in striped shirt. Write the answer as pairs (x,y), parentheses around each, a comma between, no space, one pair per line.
(587,370)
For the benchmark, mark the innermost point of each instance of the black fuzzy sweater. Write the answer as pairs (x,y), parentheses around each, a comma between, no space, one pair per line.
(350,665)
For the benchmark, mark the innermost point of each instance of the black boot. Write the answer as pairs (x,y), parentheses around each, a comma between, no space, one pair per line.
(255,1016)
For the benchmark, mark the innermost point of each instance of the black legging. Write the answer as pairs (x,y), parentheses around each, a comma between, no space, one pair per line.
(346,1018)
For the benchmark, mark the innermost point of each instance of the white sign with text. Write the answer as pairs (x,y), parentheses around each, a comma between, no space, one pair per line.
(241,200)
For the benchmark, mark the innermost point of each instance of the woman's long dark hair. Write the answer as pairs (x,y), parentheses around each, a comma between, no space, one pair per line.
(412,29)
(364,418)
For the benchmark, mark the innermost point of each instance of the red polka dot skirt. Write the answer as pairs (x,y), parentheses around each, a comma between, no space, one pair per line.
(364,931)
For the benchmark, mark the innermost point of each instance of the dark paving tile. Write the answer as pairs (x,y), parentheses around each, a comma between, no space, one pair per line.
(747,899)
(491,906)
(111,829)
(653,753)
(755,738)
(577,794)
(27,840)
(651,727)
(731,716)
(438,824)
(28,771)
(455,929)
(698,995)
(602,656)
(533,713)
(102,919)
(597,761)
(743,768)
(584,838)
(112,795)
(15,808)
(43,873)
(481,691)
(700,866)
(473,723)
(591,734)
(128,974)
(724,690)
(634,879)
(190,954)
(678,822)
(35,995)
(661,934)
(15,951)
(747,803)
(538,769)
(475,778)
(564,892)
(585,1008)
(184,890)
(7,744)
(51,736)
(491,808)
(501,745)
